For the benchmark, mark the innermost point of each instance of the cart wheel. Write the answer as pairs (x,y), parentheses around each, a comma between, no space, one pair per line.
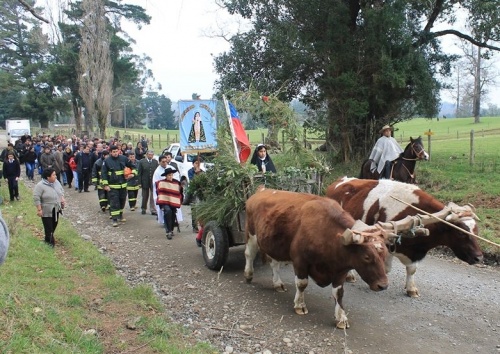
(215,245)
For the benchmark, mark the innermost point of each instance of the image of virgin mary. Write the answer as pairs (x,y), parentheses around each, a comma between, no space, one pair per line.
(197,133)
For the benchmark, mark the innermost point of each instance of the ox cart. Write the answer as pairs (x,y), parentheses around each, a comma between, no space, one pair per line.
(219,236)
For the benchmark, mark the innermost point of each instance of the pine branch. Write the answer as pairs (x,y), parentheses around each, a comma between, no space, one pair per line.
(32,10)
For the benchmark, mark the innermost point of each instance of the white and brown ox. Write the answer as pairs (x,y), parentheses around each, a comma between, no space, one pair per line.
(371,201)
(311,232)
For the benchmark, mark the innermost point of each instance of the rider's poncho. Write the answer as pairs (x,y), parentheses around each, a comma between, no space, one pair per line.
(385,149)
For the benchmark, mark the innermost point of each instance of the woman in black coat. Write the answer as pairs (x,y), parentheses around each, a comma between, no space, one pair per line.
(30,161)
(262,160)
(67,154)
(139,152)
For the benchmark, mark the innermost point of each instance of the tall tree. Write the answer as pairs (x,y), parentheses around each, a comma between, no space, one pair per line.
(159,111)
(369,63)
(24,60)
(95,65)
(474,74)
(129,71)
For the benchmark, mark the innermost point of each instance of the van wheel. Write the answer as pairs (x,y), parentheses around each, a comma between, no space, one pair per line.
(215,245)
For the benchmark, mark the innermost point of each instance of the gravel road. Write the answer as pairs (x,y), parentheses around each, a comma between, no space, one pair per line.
(458,311)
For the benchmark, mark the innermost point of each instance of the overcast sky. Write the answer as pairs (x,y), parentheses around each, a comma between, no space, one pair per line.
(178,43)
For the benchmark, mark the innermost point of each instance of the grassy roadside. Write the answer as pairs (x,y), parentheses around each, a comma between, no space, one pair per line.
(69,299)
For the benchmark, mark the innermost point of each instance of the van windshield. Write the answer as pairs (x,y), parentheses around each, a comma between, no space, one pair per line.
(18,132)
(206,156)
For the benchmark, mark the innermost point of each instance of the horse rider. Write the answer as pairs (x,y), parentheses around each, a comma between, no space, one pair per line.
(385,151)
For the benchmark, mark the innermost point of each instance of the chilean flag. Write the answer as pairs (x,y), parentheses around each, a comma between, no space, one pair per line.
(240,134)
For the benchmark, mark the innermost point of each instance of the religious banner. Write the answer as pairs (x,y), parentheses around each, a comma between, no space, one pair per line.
(198,126)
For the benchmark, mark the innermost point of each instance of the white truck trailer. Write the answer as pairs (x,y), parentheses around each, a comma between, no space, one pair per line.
(16,128)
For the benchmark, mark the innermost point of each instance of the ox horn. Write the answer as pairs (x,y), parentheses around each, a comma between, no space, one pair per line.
(351,237)
(461,212)
(361,232)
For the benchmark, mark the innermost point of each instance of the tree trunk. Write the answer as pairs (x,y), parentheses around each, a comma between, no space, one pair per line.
(476,108)
(458,95)
(44,122)
(77,113)
(102,126)
(339,132)
(272,139)
(89,121)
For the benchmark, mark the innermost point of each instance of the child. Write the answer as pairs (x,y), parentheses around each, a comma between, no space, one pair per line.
(12,172)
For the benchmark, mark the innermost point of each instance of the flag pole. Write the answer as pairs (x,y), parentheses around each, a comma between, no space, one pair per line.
(231,127)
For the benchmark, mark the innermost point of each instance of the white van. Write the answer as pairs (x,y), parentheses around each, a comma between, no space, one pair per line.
(185,162)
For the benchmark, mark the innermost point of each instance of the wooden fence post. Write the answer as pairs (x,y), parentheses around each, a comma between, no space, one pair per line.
(429,144)
(471,157)
(305,138)
(263,142)
(283,140)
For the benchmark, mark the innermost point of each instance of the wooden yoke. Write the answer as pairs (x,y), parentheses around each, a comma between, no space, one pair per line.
(410,226)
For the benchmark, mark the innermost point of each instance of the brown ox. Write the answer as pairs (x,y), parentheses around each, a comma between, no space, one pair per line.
(310,231)
(371,201)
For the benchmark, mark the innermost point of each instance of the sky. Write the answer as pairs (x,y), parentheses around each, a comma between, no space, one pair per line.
(178,42)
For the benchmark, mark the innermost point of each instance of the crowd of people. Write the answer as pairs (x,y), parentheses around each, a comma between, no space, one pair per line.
(117,171)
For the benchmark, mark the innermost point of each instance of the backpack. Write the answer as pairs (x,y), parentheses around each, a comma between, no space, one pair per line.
(72,163)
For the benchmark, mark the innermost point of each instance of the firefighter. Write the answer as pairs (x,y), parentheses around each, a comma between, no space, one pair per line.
(102,194)
(132,183)
(115,182)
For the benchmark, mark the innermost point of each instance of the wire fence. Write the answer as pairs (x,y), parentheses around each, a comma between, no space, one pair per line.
(478,149)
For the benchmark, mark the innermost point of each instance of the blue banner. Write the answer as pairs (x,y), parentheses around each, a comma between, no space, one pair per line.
(198,125)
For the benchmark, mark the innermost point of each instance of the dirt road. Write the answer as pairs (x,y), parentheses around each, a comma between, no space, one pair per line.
(458,311)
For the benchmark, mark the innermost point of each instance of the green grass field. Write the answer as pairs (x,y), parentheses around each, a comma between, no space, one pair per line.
(451,174)
(70,299)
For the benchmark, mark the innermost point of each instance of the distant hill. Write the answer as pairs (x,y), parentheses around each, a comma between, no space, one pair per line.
(447,109)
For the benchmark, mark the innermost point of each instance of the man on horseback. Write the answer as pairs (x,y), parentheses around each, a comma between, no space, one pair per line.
(385,151)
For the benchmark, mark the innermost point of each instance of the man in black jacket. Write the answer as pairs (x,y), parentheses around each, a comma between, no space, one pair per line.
(146,168)
(84,168)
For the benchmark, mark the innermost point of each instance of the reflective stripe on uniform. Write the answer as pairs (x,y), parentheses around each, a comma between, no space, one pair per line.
(118,186)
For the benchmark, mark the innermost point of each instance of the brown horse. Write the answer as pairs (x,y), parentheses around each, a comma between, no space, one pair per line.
(403,168)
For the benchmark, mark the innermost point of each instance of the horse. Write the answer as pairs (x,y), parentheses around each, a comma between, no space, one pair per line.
(403,168)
